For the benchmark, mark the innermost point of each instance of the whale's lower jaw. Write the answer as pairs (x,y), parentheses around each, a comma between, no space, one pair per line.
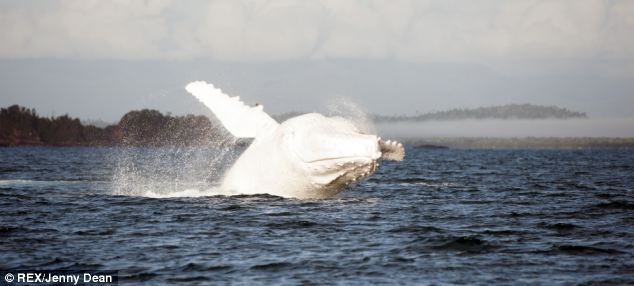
(355,173)
(316,184)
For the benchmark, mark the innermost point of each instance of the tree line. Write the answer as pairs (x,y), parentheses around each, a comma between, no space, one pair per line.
(22,126)
(509,111)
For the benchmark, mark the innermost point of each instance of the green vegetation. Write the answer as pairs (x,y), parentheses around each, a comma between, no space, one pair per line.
(21,126)
(151,128)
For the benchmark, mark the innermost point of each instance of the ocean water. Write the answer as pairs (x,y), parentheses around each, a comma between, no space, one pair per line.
(520,217)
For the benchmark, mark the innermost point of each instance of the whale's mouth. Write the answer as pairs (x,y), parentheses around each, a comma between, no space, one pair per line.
(354,172)
(345,159)
(336,172)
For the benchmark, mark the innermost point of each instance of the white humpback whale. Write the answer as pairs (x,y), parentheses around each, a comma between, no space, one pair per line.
(307,156)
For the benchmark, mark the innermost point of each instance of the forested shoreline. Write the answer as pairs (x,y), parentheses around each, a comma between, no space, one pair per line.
(20,126)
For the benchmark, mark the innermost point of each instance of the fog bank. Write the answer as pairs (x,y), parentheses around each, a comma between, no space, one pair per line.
(510,128)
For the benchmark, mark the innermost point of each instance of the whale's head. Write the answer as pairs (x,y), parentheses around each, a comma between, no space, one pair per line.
(331,151)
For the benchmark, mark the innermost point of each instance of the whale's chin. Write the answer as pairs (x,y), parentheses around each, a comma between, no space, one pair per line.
(334,174)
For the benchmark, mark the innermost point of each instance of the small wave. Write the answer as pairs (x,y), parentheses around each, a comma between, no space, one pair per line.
(187,193)
(582,250)
(210,192)
(470,244)
(5,230)
(137,277)
(231,208)
(621,205)
(560,227)
(97,232)
(51,262)
(191,266)
(419,182)
(273,266)
(179,279)
(503,232)
(39,183)
(293,224)
(415,229)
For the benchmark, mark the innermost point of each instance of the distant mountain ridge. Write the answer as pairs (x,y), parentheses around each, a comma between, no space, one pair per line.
(508,111)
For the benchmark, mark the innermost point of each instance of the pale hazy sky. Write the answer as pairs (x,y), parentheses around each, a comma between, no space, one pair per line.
(99,59)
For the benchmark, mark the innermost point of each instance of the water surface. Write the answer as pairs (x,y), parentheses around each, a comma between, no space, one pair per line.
(441,216)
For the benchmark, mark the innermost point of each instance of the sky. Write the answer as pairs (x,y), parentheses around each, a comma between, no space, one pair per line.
(98,59)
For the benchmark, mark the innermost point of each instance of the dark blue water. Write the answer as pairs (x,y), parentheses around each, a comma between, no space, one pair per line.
(440,217)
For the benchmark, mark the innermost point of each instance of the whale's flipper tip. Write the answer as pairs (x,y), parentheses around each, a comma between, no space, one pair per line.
(392,150)
(241,120)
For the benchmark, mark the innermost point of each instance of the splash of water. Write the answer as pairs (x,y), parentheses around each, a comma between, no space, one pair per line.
(350,110)
(173,171)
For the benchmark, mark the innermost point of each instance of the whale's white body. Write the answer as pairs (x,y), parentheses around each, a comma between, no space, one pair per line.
(308,156)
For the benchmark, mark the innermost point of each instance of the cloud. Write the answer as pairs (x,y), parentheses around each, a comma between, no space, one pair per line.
(407,30)
(86,29)
(262,30)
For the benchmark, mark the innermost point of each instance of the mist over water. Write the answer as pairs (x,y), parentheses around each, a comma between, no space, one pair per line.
(615,127)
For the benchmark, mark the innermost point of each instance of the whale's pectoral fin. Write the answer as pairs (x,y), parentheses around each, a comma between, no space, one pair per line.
(391,150)
(241,120)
